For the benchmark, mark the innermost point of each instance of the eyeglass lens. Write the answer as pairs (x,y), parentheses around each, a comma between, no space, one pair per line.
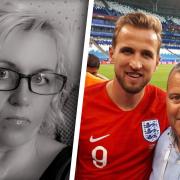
(40,83)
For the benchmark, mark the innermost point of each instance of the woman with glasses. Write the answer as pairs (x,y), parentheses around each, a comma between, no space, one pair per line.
(32,80)
(166,164)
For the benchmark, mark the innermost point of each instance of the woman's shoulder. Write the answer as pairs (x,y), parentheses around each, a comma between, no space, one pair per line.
(48,148)
(60,166)
(60,159)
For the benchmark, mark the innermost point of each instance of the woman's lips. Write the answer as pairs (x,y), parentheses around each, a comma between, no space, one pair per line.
(18,120)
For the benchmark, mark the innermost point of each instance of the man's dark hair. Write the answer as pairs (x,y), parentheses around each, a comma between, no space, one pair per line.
(93,61)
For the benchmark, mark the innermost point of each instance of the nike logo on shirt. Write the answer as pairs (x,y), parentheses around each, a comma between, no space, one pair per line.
(92,139)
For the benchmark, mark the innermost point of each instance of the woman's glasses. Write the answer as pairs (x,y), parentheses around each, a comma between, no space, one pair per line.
(43,82)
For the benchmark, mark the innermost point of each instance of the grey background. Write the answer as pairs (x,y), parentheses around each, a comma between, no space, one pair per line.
(70,17)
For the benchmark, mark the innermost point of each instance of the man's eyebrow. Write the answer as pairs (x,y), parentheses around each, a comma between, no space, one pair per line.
(173,93)
(146,50)
(126,48)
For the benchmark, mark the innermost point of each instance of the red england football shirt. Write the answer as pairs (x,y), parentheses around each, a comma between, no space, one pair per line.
(117,144)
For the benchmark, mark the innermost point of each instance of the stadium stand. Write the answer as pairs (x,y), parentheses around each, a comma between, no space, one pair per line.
(106,12)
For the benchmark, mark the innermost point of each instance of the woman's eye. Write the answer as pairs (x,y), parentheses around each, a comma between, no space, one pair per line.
(4,74)
(40,79)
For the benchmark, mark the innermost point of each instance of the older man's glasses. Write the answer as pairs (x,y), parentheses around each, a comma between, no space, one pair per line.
(43,82)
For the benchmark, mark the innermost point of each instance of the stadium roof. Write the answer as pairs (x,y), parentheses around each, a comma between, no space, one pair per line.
(164,7)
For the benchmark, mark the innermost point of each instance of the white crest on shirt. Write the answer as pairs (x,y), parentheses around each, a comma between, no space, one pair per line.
(151,130)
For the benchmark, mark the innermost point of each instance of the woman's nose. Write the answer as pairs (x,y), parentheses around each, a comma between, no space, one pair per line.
(20,96)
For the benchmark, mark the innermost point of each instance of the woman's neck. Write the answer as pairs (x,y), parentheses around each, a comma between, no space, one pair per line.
(12,160)
(30,160)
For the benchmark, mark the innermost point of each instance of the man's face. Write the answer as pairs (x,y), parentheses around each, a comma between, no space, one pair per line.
(135,56)
(21,111)
(173,102)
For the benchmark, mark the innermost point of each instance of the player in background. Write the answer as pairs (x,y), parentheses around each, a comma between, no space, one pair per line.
(92,75)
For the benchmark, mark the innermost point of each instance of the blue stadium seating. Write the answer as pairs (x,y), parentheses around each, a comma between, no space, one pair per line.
(103,24)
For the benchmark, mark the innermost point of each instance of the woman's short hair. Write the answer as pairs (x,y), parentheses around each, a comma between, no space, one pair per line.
(30,21)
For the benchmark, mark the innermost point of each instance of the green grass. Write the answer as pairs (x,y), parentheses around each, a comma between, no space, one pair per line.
(159,78)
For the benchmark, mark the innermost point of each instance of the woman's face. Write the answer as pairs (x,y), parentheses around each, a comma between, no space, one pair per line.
(21,111)
(173,102)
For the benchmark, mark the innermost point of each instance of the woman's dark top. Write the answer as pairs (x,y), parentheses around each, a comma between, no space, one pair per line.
(60,167)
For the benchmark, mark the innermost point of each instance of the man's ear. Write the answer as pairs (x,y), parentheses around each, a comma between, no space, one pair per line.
(111,52)
(157,62)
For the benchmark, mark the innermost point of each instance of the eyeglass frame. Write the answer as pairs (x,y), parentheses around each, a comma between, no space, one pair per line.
(29,76)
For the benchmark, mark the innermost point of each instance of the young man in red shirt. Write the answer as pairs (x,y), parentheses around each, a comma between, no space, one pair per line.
(123,118)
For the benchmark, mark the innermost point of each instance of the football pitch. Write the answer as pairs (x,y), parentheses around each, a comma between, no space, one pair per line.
(159,78)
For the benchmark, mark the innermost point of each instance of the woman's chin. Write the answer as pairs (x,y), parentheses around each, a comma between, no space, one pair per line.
(13,139)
